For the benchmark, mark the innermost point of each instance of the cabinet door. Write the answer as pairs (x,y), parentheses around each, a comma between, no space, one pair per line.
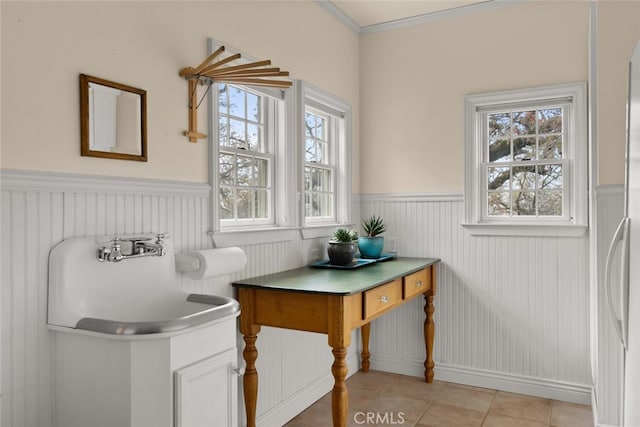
(206,392)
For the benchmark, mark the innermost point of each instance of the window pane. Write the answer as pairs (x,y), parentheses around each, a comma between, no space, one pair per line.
(307,205)
(262,203)
(550,120)
(315,204)
(223,131)
(524,148)
(236,102)
(253,107)
(498,204)
(524,177)
(550,203)
(498,178)
(550,147)
(325,205)
(253,137)
(261,173)
(244,170)
(549,176)
(323,153)
(237,134)
(523,203)
(244,203)
(226,203)
(499,150)
(499,124)
(223,104)
(524,122)
(310,154)
(307,178)
(310,125)
(321,125)
(226,169)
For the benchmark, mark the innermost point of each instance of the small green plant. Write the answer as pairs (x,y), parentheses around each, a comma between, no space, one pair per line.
(344,235)
(373,226)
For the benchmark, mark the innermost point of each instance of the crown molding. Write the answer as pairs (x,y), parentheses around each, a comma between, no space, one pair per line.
(339,15)
(413,20)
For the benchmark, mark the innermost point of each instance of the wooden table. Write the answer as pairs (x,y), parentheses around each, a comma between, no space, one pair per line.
(332,302)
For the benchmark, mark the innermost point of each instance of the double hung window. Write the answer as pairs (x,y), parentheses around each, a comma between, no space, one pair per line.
(526,161)
(245,157)
(280,162)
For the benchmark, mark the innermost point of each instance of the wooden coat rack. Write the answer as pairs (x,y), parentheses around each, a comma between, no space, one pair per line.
(246,74)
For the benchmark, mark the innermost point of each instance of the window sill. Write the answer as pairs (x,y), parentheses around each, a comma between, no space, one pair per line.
(548,230)
(255,236)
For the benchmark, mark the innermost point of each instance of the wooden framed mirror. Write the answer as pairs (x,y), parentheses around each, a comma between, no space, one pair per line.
(113,120)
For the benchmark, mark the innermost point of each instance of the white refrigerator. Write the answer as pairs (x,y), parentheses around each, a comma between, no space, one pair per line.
(622,288)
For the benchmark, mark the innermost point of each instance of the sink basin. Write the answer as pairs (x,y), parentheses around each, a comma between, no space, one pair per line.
(138,296)
(169,316)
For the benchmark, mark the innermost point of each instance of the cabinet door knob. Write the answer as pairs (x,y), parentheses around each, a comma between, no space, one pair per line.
(384,299)
(418,283)
(239,371)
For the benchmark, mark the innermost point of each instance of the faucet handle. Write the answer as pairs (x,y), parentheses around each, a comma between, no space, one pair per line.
(160,237)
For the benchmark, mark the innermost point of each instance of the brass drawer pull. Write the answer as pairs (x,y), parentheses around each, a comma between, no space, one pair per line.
(384,299)
(418,283)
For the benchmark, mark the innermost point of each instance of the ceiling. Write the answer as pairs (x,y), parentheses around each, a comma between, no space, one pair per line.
(366,13)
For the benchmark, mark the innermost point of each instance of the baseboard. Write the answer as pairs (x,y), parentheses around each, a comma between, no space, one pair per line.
(289,408)
(550,389)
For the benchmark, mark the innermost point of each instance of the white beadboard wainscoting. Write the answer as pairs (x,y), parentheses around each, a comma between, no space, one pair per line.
(39,210)
(512,313)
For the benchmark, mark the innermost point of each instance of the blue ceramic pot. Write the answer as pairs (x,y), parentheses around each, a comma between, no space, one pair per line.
(370,247)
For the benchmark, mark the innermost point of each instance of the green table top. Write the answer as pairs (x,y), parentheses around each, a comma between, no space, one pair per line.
(337,281)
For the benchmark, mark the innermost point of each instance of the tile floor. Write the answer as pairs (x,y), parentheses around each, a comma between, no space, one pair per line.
(384,399)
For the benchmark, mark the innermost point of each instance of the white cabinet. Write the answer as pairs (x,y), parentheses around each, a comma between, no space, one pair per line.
(185,379)
(207,392)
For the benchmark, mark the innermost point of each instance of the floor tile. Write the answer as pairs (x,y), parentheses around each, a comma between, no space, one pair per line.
(521,406)
(466,397)
(565,414)
(440,415)
(410,410)
(371,380)
(385,399)
(494,420)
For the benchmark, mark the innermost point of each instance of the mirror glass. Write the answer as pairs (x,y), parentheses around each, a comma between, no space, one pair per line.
(113,120)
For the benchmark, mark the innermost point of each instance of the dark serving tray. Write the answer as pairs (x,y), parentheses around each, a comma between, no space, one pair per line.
(356,263)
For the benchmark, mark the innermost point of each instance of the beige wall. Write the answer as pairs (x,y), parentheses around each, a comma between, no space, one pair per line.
(618,31)
(45,45)
(413,83)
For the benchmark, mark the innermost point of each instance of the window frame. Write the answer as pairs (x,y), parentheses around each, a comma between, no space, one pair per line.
(288,167)
(575,166)
(340,112)
(269,134)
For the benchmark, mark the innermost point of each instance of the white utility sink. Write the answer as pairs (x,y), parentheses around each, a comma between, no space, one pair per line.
(134,296)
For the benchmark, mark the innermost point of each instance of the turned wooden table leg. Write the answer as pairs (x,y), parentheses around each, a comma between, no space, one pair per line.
(339,334)
(429,331)
(249,332)
(339,394)
(365,355)
(250,379)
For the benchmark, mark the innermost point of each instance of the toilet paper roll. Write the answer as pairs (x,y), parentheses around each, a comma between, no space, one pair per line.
(218,262)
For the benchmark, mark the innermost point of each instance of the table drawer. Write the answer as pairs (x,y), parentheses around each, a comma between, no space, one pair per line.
(382,298)
(416,283)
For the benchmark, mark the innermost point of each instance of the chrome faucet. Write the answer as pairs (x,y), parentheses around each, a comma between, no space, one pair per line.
(140,247)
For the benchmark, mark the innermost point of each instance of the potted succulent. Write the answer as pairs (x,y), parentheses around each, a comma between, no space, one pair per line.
(342,246)
(371,243)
